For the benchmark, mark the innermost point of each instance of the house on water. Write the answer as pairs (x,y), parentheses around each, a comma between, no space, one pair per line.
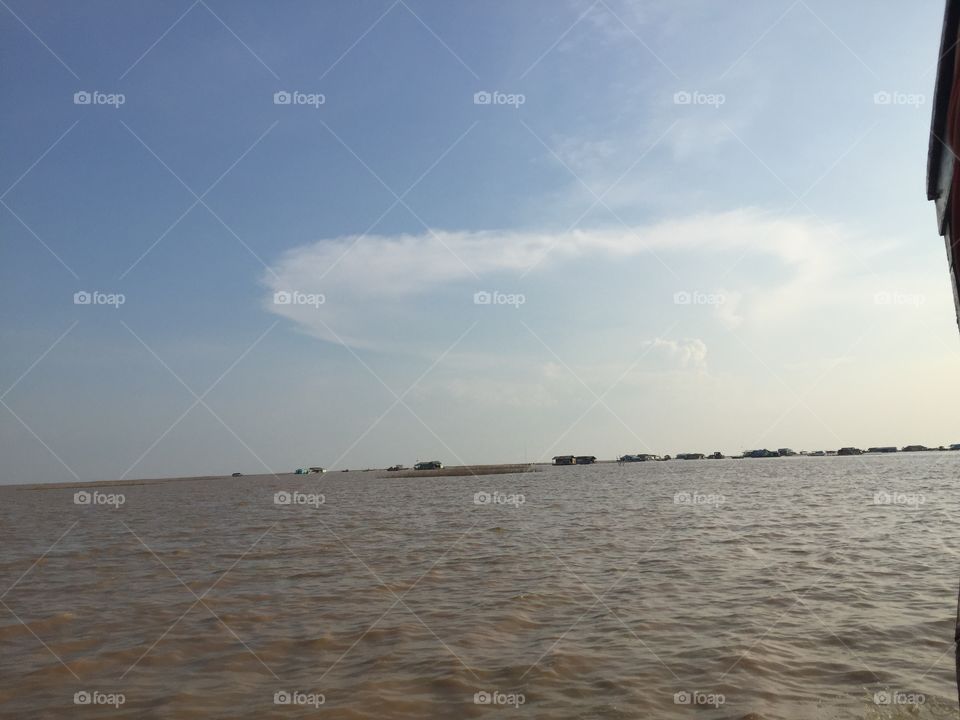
(640,457)
(574,460)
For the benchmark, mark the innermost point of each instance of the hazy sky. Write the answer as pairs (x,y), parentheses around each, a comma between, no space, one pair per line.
(702,226)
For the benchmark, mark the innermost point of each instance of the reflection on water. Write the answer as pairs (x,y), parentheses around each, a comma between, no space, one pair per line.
(783,588)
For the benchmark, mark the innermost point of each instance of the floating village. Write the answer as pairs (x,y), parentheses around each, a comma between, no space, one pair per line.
(781,452)
(437,468)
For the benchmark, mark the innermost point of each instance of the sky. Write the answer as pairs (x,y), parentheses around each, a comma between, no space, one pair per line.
(258,236)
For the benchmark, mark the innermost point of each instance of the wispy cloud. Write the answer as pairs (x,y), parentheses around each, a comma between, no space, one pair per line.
(388,290)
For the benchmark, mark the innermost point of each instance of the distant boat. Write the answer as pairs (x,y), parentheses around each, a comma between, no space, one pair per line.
(429,465)
(393,468)
(885,449)
(760,454)
(786,452)
(690,456)
(915,448)
(586,459)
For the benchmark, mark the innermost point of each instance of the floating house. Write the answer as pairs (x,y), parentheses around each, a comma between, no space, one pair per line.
(849,451)
(955,446)
(760,454)
(640,457)
(574,459)
(429,465)
(717,456)
(786,452)
(915,448)
(886,449)
(691,456)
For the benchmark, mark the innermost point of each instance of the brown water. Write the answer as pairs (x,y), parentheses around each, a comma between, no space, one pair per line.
(600,596)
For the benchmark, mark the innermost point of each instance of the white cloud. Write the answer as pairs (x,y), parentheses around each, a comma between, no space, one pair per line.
(728,311)
(689,354)
(385,290)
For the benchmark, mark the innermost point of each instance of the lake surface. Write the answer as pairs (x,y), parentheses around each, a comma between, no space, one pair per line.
(782,588)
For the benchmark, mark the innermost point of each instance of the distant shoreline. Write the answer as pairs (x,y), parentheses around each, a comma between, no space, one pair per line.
(449,471)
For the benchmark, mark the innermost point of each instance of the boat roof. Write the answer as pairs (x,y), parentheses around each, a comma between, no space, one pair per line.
(943,90)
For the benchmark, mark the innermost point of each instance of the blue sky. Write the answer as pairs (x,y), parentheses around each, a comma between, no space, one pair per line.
(703,223)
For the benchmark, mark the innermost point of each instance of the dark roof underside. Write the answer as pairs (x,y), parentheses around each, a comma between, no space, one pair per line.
(942,93)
